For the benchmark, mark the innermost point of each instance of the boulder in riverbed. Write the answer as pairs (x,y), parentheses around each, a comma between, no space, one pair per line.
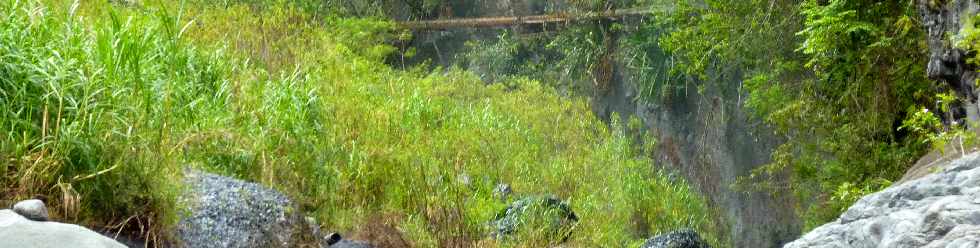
(231,213)
(937,210)
(33,209)
(18,231)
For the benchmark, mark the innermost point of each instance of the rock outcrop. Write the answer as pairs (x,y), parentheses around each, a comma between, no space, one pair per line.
(685,238)
(712,140)
(938,210)
(226,212)
(19,231)
(944,20)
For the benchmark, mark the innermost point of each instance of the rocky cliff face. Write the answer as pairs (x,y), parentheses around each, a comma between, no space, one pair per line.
(707,137)
(944,21)
(938,210)
(712,140)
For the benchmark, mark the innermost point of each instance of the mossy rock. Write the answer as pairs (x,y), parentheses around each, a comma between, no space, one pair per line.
(536,217)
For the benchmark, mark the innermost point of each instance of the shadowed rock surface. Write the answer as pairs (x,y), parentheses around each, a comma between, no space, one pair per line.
(712,140)
(938,210)
(685,238)
(18,231)
(226,212)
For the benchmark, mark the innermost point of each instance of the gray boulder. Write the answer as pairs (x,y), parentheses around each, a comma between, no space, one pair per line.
(685,238)
(33,209)
(551,214)
(230,213)
(18,231)
(937,210)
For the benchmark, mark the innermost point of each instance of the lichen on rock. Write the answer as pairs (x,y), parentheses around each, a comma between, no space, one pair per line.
(227,212)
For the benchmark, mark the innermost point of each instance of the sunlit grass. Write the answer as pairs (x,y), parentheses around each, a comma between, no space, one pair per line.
(103,107)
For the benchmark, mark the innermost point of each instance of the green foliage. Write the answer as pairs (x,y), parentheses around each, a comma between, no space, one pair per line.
(848,193)
(496,59)
(109,104)
(716,38)
(575,58)
(834,78)
(412,9)
(565,60)
(922,122)
(868,64)
(925,124)
(89,117)
(968,39)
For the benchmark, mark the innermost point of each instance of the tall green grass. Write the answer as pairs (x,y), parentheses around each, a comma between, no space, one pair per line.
(104,106)
(91,110)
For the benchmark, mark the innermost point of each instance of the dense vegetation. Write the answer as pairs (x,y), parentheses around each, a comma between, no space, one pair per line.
(837,79)
(842,82)
(104,105)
